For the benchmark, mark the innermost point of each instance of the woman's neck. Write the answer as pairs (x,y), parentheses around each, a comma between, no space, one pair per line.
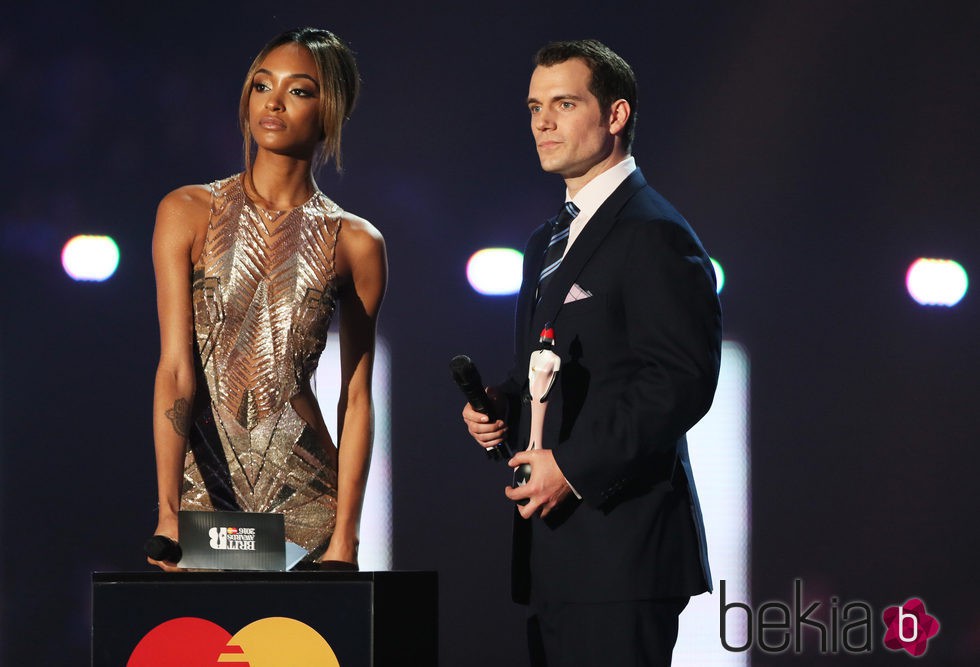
(279,181)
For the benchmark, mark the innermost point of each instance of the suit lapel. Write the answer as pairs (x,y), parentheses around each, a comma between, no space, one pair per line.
(578,255)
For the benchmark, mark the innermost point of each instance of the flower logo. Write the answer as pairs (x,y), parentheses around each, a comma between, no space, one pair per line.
(910,627)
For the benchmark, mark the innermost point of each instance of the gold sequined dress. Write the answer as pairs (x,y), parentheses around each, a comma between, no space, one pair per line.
(263,293)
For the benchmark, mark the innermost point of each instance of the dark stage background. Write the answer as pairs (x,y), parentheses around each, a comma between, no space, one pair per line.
(817,147)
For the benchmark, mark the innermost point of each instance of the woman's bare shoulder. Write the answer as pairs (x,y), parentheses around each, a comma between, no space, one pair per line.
(360,244)
(358,236)
(183,214)
(186,200)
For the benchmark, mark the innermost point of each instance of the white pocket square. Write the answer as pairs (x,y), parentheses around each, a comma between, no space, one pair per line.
(576,293)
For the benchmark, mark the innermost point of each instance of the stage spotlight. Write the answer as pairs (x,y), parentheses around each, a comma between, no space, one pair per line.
(719,275)
(495,271)
(936,282)
(90,258)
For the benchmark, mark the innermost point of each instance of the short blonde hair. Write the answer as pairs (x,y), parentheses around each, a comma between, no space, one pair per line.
(339,86)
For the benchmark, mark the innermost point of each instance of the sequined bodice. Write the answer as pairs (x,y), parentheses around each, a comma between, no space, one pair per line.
(263,297)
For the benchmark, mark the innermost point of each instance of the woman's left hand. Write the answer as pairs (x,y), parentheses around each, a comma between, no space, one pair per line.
(340,550)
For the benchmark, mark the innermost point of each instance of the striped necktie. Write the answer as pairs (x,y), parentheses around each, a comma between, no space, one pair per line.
(557,244)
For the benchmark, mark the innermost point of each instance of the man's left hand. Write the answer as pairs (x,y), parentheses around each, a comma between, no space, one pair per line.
(547,487)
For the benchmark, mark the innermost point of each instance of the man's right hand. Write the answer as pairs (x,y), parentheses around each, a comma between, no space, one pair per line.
(485,432)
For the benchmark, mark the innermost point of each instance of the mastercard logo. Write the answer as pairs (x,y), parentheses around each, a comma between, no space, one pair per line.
(267,642)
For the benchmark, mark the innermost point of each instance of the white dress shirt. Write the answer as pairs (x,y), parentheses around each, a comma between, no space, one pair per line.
(594,193)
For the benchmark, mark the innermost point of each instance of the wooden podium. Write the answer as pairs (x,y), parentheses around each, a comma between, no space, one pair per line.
(261,619)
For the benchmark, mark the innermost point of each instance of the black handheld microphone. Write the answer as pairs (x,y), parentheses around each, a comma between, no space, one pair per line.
(161,547)
(468,380)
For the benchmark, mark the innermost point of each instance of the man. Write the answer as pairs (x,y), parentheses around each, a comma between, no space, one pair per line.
(609,546)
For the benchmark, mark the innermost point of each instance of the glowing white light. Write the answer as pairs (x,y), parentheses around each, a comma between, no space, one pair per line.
(936,282)
(495,271)
(93,258)
(719,275)
(720,451)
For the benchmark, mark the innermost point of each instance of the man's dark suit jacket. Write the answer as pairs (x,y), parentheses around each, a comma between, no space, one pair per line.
(640,361)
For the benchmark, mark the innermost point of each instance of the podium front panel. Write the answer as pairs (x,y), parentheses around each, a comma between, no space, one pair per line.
(247,619)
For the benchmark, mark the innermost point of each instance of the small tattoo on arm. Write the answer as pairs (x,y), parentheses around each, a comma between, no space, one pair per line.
(180,417)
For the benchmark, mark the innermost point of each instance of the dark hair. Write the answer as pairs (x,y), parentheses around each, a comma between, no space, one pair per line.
(339,85)
(612,77)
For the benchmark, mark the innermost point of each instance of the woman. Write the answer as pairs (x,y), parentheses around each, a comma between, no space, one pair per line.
(249,270)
